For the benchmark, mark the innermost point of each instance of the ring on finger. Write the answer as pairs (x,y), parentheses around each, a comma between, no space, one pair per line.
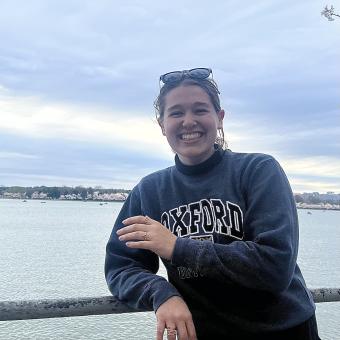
(171,331)
(146,236)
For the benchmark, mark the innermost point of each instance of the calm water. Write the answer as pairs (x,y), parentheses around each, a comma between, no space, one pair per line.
(56,250)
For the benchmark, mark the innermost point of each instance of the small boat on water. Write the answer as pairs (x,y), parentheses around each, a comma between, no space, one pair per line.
(309,213)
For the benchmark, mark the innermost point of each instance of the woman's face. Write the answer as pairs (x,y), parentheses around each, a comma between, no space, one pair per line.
(190,123)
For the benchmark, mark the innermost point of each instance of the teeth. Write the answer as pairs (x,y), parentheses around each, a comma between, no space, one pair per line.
(193,135)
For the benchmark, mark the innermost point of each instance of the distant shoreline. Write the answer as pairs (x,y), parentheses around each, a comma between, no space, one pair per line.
(319,208)
(57,199)
(301,206)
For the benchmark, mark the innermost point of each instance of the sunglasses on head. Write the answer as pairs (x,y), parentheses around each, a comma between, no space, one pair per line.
(175,76)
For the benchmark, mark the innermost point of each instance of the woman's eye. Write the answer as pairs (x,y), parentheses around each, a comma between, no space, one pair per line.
(175,114)
(201,111)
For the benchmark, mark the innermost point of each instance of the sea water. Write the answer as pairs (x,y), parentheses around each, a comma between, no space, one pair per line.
(56,249)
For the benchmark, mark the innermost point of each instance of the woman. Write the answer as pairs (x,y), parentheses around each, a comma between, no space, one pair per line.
(223,223)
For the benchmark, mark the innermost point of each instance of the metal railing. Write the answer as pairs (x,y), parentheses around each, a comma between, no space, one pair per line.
(58,308)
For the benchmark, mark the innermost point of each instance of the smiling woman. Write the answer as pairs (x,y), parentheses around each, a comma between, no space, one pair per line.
(223,223)
(190,125)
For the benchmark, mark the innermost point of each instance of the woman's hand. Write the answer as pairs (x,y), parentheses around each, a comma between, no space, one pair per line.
(145,233)
(172,315)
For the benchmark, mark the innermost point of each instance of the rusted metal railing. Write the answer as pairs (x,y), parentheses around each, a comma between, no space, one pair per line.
(58,308)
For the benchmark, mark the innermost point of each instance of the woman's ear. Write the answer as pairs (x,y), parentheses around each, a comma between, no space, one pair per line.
(160,123)
(220,116)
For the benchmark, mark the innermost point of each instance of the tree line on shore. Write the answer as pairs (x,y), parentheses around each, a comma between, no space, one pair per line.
(57,192)
(80,192)
(316,198)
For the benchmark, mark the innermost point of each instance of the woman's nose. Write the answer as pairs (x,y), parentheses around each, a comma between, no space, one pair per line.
(189,120)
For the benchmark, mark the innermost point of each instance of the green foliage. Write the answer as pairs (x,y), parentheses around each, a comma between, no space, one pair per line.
(16,189)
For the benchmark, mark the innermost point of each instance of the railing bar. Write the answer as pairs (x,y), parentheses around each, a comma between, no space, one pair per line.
(57,308)
(325,294)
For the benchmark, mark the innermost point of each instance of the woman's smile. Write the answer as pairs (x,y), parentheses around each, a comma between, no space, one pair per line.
(191,136)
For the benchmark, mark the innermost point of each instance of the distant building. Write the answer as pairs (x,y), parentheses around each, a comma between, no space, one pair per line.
(70,197)
(39,195)
(97,196)
(14,195)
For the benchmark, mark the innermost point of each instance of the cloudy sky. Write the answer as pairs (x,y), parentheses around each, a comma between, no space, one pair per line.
(78,80)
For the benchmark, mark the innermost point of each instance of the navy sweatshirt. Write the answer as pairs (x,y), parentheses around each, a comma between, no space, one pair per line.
(234,261)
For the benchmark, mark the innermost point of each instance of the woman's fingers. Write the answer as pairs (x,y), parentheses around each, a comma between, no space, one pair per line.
(136,223)
(132,228)
(138,219)
(174,315)
(145,233)
(171,332)
(191,330)
(160,329)
(186,330)
(135,236)
(182,331)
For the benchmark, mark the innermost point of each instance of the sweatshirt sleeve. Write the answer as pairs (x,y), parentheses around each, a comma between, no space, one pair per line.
(267,259)
(131,273)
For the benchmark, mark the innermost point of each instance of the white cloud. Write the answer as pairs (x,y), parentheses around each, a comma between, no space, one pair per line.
(300,185)
(32,117)
(321,166)
(317,173)
(16,155)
